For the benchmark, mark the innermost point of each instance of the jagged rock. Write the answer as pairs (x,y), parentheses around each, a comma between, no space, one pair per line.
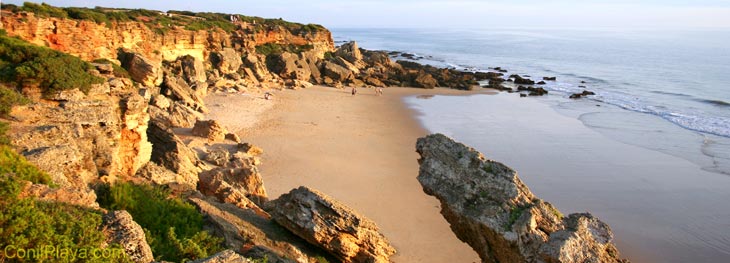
(250,149)
(210,129)
(252,234)
(227,60)
(70,195)
(425,80)
(257,67)
(490,208)
(350,51)
(550,78)
(225,256)
(520,80)
(141,69)
(336,72)
(193,69)
(582,94)
(159,175)
(121,229)
(161,102)
(245,179)
(170,152)
(291,66)
(330,225)
(177,89)
(134,146)
(218,156)
(233,137)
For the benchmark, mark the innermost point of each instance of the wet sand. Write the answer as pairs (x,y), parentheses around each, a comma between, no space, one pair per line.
(358,149)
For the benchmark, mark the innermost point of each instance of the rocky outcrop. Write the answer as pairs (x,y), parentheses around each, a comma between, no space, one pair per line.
(330,225)
(227,61)
(121,229)
(520,80)
(252,235)
(141,69)
(173,154)
(210,129)
(490,208)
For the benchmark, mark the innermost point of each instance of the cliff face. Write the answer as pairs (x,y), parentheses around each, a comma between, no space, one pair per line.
(89,40)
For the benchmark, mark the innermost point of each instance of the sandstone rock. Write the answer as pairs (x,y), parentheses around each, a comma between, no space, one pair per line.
(140,68)
(348,65)
(161,102)
(226,60)
(225,256)
(170,152)
(253,235)
(218,156)
(490,208)
(250,149)
(159,175)
(330,225)
(193,69)
(257,67)
(425,80)
(177,89)
(121,229)
(103,68)
(246,180)
(70,195)
(233,137)
(349,51)
(210,129)
(336,72)
(291,66)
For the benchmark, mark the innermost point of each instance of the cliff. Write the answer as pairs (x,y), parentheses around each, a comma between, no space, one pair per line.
(90,40)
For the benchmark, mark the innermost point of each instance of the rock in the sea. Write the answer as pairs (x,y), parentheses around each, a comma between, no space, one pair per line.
(330,225)
(520,80)
(210,129)
(550,78)
(490,208)
(582,94)
(227,60)
(121,229)
(141,69)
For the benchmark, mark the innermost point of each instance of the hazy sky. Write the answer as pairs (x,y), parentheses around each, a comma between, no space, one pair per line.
(457,13)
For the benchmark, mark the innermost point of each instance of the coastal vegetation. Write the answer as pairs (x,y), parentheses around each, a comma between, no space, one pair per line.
(277,49)
(53,71)
(159,21)
(26,223)
(177,236)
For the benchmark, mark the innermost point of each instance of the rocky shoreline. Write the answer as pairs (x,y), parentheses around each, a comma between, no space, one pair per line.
(127,129)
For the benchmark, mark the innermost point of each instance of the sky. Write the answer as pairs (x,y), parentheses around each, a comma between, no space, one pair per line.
(655,14)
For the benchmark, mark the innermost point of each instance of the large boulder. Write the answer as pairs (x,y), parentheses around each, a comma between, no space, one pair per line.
(336,72)
(210,129)
(490,208)
(330,225)
(254,235)
(172,153)
(255,66)
(425,80)
(121,229)
(291,66)
(193,69)
(177,89)
(349,51)
(141,69)
(229,184)
(226,61)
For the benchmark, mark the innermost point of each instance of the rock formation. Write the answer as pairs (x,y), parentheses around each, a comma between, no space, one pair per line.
(210,129)
(225,256)
(330,225)
(490,208)
(120,228)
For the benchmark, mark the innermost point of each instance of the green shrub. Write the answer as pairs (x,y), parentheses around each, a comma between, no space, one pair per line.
(10,98)
(13,163)
(174,228)
(52,70)
(276,49)
(44,10)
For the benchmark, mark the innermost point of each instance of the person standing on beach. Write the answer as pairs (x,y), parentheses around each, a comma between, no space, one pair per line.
(354,91)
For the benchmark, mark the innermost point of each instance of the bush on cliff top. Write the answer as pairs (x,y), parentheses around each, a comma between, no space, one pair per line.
(9,98)
(174,229)
(53,71)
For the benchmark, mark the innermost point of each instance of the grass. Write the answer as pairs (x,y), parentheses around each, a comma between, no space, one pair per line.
(514,214)
(177,236)
(23,63)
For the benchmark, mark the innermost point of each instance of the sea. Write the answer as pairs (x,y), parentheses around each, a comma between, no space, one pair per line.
(662,96)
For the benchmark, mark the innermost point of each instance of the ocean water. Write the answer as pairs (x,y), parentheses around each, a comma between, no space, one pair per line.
(682,77)
(649,154)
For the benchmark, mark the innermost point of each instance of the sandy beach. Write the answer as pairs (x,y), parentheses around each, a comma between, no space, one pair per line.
(358,149)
